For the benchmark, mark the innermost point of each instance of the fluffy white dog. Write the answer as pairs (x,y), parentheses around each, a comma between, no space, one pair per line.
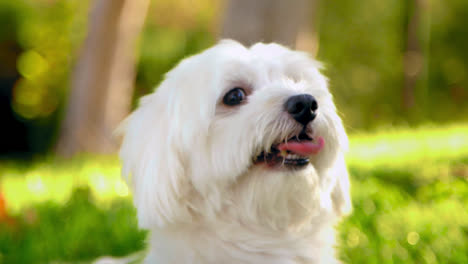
(238,158)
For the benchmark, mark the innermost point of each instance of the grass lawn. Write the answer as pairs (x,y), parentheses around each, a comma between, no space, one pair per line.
(409,188)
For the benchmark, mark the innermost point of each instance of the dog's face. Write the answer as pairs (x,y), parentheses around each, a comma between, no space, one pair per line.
(244,134)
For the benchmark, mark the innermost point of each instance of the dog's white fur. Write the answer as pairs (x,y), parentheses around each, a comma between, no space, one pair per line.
(190,159)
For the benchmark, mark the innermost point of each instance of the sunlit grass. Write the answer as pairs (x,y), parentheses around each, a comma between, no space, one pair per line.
(400,147)
(409,192)
(54,180)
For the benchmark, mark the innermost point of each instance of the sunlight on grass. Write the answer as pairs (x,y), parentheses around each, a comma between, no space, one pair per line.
(409,193)
(53,180)
(408,146)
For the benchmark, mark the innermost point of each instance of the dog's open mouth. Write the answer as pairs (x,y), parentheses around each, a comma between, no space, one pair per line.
(294,152)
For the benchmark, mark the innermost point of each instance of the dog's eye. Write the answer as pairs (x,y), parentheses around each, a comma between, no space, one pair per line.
(234,97)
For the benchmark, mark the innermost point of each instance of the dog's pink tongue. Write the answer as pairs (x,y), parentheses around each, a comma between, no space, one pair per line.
(303,148)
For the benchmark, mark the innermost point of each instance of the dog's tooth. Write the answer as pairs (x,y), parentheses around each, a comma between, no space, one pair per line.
(293,157)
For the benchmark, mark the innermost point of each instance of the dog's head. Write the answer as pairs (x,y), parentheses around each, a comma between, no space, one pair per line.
(239,132)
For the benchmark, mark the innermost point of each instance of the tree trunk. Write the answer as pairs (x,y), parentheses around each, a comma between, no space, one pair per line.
(414,54)
(285,22)
(102,83)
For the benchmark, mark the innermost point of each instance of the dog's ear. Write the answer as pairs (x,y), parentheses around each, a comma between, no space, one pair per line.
(340,194)
(152,162)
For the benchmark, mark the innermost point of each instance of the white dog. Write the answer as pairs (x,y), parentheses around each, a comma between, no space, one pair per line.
(238,158)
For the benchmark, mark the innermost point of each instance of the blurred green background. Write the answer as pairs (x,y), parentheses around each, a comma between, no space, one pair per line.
(405,106)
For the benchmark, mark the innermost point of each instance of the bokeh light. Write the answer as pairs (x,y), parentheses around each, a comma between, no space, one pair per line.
(31,64)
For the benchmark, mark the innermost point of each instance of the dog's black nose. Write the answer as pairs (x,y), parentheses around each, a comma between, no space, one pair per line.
(302,108)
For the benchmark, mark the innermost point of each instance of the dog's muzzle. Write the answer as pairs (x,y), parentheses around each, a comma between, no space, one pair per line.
(296,150)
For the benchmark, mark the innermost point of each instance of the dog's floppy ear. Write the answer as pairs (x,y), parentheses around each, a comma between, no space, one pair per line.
(152,162)
(340,194)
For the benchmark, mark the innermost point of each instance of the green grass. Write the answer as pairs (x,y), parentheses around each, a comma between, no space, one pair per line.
(76,230)
(409,188)
(55,179)
(410,197)
(402,147)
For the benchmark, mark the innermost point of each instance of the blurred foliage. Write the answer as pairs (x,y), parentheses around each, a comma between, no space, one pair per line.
(364,45)
(409,203)
(49,33)
(76,230)
(48,39)
(170,36)
(46,35)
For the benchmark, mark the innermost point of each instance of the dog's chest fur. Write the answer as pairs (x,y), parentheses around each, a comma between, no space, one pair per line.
(201,246)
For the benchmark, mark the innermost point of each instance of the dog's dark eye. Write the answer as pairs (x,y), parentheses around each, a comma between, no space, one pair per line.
(234,96)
